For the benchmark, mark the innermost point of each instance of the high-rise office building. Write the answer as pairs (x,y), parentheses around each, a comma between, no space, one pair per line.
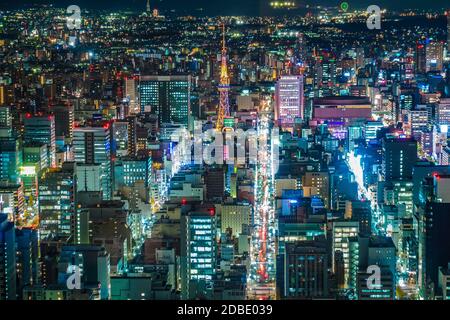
(26,258)
(421,51)
(215,183)
(64,120)
(341,231)
(40,128)
(429,55)
(443,112)
(444,281)
(7,94)
(325,73)
(433,216)
(137,169)
(305,270)
(434,56)
(89,177)
(235,216)
(92,146)
(399,157)
(289,100)
(35,153)
(354,261)
(371,129)
(5,122)
(132,135)
(57,189)
(198,253)
(169,97)
(419,119)
(354,133)
(7,259)
(131,94)
(360,211)
(10,160)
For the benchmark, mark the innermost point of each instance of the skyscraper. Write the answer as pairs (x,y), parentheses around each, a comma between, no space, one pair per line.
(7,259)
(289,100)
(399,157)
(26,258)
(434,218)
(305,270)
(5,121)
(341,231)
(434,56)
(64,120)
(443,112)
(92,146)
(131,94)
(40,128)
(420,56)
(169,97)
(198,253)
(57,188)
(10,160)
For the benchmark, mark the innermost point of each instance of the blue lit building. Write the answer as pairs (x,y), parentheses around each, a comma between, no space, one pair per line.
(198,254)
(27,258)
(135,169)
(41,129)
(10,160)
(7,259)
(169,97)
(57,188)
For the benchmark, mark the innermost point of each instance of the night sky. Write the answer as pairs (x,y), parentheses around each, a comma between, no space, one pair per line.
(216,7)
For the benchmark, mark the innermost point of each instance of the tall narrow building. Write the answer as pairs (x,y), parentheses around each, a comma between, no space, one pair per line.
(42,129)
(435,56)
(289,100)
(224,86)
(57,187)
(7,259)
(198,253)
(92,147)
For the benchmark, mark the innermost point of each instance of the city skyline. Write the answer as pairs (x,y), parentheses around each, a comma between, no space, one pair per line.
(232,7)
(151,154)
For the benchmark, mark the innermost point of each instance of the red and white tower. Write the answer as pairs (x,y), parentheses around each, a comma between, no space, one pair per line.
(224,86)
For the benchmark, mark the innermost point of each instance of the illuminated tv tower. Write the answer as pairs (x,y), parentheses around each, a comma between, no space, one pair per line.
(148,5)
(224,86)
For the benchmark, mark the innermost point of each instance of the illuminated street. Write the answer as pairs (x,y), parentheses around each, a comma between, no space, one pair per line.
(261,281)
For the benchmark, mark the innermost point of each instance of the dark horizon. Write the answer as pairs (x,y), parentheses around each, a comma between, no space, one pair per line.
(229,7)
